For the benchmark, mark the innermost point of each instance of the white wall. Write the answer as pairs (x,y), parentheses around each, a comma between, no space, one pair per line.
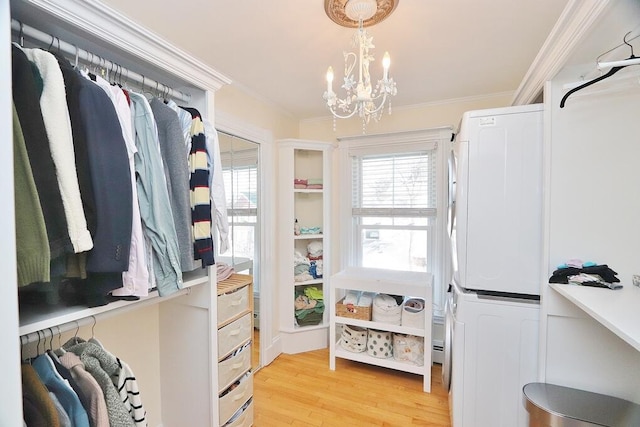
(592,211)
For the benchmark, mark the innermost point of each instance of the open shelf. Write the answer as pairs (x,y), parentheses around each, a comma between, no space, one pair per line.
(35,318)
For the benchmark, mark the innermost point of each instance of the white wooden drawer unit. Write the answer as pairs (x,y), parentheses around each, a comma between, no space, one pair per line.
(235,332)
(236,398)
(229,369)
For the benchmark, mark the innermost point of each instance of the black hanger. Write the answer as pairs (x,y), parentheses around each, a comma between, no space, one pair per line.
(608,74)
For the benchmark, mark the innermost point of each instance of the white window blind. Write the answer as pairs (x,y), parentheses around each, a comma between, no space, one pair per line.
(394,185)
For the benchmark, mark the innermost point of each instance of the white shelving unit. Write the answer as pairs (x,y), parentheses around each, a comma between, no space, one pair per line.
(175,393)
(408,284)
(301,159)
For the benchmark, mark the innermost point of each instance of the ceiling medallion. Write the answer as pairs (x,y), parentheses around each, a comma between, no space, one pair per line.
(336,10)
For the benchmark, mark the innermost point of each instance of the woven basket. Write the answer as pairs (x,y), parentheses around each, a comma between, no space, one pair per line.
(353,311)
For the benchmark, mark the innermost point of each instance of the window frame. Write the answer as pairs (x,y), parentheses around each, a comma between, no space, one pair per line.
(438,139)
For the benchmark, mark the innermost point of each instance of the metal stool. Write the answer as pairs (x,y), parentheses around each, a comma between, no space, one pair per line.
(552,405)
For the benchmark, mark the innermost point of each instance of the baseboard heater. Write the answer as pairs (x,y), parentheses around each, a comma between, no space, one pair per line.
(437,352)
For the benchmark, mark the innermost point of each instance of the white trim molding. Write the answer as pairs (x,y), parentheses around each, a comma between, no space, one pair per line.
(105,23)
(573,25)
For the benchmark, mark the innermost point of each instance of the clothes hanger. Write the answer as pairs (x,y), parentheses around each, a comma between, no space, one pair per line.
(608,74)
(21,34)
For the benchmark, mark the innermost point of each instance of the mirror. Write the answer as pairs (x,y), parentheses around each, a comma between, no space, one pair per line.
(240,158)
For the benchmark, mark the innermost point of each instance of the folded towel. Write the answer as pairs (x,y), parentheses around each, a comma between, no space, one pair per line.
(351,298)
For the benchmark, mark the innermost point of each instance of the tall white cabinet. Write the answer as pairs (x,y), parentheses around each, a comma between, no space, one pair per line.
(302,165)
(171,343)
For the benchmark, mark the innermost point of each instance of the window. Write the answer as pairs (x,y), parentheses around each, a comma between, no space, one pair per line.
(394,214)
(241,190)
(393,210)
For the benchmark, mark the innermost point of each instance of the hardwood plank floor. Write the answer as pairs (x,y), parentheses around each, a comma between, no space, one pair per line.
(301,390)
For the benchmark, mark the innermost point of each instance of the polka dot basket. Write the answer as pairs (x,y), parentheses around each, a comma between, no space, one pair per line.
(379,344)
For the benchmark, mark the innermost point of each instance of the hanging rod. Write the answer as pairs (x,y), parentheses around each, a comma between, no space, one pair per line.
(86,56)
(620,63)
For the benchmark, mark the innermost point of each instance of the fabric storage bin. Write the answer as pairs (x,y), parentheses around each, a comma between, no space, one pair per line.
(379,344)
(408,349)
(314,318)
(413,313)
(233,366)
(353,338)
(232,304)
(234,334)
(233,400)
(242,418)
(386,310)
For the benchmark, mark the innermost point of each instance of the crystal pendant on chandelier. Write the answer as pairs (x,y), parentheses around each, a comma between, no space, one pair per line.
(361,97)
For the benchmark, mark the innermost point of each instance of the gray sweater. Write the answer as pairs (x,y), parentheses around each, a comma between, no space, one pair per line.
(176,170)
(103,366)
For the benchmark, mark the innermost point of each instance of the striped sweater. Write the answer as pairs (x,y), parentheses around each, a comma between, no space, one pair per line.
(199,186)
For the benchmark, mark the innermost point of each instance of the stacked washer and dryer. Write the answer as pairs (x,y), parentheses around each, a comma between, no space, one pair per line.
(492,309)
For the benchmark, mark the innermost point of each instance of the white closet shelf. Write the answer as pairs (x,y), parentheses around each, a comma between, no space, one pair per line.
(385,363)
(297,328)
(308,236)
(308,190)
(418,332)
(42,317)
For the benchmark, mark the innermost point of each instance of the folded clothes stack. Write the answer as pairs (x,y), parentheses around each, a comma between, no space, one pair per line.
(585,274)
(314,184)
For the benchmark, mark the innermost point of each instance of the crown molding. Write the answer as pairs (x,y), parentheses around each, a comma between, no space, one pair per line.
(576,20)
(105,23)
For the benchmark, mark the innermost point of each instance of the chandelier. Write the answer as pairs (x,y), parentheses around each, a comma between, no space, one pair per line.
(361,97)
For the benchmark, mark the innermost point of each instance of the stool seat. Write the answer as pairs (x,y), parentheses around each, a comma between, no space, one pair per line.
(551,405)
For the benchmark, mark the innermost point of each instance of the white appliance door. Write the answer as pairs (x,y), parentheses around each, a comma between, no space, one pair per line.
(500,240)
(448,341)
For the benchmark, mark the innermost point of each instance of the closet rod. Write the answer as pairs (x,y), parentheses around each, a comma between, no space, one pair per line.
(89,319)
(88,57)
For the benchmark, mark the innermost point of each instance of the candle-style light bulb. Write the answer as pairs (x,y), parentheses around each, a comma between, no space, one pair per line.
(329,80)
(386,62)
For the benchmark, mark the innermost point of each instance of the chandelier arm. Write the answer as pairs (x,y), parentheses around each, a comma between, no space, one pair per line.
(345,116)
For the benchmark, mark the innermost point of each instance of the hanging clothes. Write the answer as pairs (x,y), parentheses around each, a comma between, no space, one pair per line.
(127,385)
(57,123)
(63,391)
(155,208)
(73,85)
(101,366)
(176,168)
(200,192)
(32,245)
(37,407)
(135,281)
(216,185)
(26,100)
(90,390)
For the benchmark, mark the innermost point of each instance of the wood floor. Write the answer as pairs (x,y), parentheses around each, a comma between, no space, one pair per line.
(300,390)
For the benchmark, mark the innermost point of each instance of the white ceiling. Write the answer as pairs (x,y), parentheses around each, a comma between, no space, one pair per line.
(279,50)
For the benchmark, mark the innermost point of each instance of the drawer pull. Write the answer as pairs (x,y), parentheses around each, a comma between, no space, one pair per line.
(236,302)
(239,396)
(236,365)
(235,332)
